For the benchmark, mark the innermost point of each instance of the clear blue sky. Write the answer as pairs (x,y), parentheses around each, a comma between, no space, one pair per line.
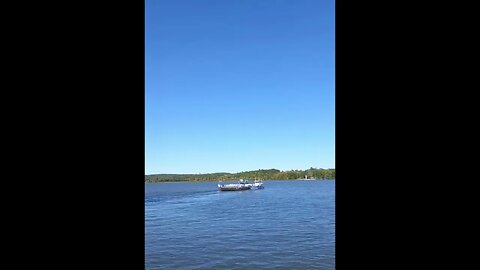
(237,85)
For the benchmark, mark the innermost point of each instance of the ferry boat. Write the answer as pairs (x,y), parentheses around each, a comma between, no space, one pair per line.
(241,185)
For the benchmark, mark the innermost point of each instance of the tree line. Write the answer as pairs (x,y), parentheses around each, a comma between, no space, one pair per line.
(271,174)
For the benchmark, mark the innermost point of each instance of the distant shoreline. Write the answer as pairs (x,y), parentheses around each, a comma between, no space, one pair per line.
(205,181)
(309,174)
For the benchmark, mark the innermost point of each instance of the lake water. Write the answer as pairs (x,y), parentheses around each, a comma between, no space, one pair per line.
(287,225)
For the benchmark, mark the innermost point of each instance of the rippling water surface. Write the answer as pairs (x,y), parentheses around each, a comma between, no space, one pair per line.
(287,225)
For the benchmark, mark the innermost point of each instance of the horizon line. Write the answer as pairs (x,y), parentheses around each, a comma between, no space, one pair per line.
(246,171)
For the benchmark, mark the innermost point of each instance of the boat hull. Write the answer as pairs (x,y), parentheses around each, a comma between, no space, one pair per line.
(233,188)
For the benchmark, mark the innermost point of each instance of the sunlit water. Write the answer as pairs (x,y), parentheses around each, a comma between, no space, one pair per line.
(287,225)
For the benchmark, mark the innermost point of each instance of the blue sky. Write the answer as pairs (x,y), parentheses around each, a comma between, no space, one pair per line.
(237,85)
